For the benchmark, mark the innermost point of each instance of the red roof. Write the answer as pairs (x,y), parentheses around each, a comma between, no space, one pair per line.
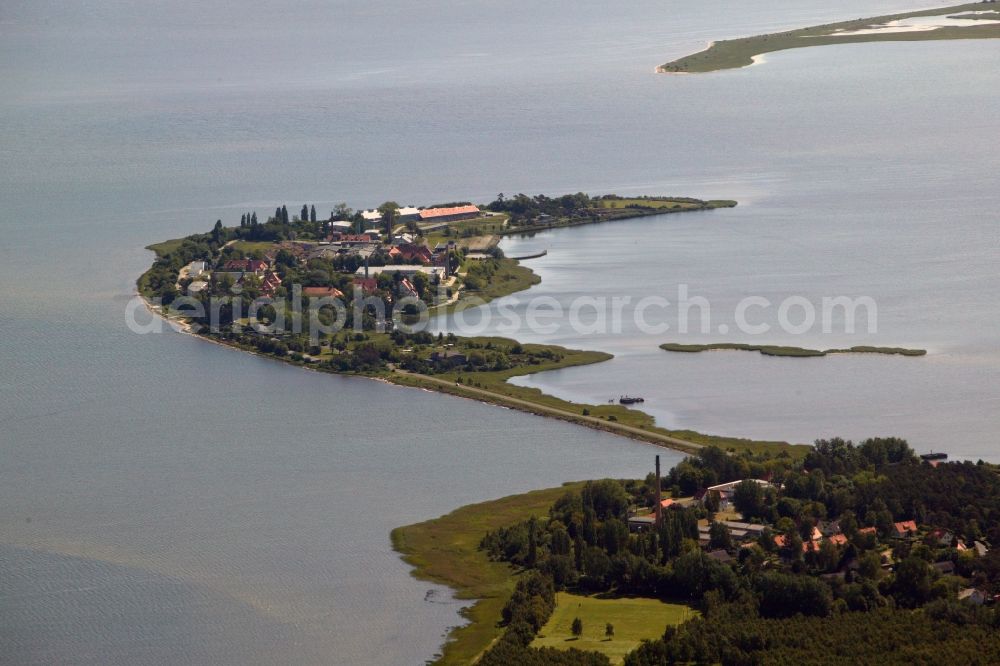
(253,265)
(366,284)
(838,539)
(320,292)
(866,530)
(666,503)
(431,213)
(905,526)
(411,252)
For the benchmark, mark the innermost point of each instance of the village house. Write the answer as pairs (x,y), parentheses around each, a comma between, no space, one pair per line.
(255,266)
(449,358)
(904,530)
(641,523)
(725,491)
(322,292)
(407,290)
(411,254)
(197,287)
(194,269)
(367,285)
(973,596)
(269,283)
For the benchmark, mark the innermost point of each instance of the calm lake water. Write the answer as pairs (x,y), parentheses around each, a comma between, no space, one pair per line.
(169,501)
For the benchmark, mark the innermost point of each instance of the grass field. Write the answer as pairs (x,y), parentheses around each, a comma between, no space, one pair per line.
(794,352)
(445,550)
(671,204)
(634,619)
(734,53)
(509,278)
(166,247)
(249,247)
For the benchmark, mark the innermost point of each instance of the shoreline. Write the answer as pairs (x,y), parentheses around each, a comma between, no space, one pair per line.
(685,441)
(742,52)
(788,352)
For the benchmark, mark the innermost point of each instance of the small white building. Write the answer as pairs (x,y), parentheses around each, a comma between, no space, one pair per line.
(726,490)
(194,269)
(404,269)
(407,213)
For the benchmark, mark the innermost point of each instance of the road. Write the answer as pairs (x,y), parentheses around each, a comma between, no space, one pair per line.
(536,408)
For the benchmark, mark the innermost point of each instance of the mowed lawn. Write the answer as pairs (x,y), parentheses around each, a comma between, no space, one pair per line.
(633,618)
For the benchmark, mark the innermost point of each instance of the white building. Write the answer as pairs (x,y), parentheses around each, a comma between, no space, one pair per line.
(403,269)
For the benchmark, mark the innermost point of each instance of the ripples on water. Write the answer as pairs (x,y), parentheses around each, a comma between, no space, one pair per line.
(168,501)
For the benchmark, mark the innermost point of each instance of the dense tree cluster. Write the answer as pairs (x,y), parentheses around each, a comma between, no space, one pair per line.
(767,599)
(944,632)
(524,209)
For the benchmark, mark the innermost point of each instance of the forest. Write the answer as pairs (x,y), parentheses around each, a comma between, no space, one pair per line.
(783,596)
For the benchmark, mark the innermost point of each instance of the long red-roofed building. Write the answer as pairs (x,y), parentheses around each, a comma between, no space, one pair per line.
(449,214)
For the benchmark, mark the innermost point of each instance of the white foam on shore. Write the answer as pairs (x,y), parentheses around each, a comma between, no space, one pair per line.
(916,24)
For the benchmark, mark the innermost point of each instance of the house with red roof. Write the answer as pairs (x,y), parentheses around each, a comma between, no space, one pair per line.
(366,285)
(905,529)
(837,539)
(407,290)
(322,292)
(256,266)
(449,214)
(269,283)
(411,253)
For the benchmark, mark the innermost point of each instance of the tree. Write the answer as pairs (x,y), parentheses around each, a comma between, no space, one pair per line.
(748,497)
(719,537)
(312,213)
(284,215)
(532,544)
(253,219)
(341,211)
(609,631)
(577,627)
(304,215)
(389,212)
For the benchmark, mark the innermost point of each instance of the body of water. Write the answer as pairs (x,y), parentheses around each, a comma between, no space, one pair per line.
(170,501)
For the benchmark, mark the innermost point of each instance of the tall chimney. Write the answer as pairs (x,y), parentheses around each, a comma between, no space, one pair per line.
(658,507)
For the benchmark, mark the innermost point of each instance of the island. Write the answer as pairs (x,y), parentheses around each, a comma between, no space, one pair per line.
(968,21)
(792,352)
(835,553)
(338,294)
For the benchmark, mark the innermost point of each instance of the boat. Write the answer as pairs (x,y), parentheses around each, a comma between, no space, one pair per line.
(934,456)
(628,400)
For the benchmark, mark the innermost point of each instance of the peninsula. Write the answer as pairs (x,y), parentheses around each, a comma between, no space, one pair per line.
(967,21)
(793,352)
(325,294)
(842,552)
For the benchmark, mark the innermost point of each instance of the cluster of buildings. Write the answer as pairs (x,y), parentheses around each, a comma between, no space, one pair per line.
(416,258)
(747,535)
(425,215)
